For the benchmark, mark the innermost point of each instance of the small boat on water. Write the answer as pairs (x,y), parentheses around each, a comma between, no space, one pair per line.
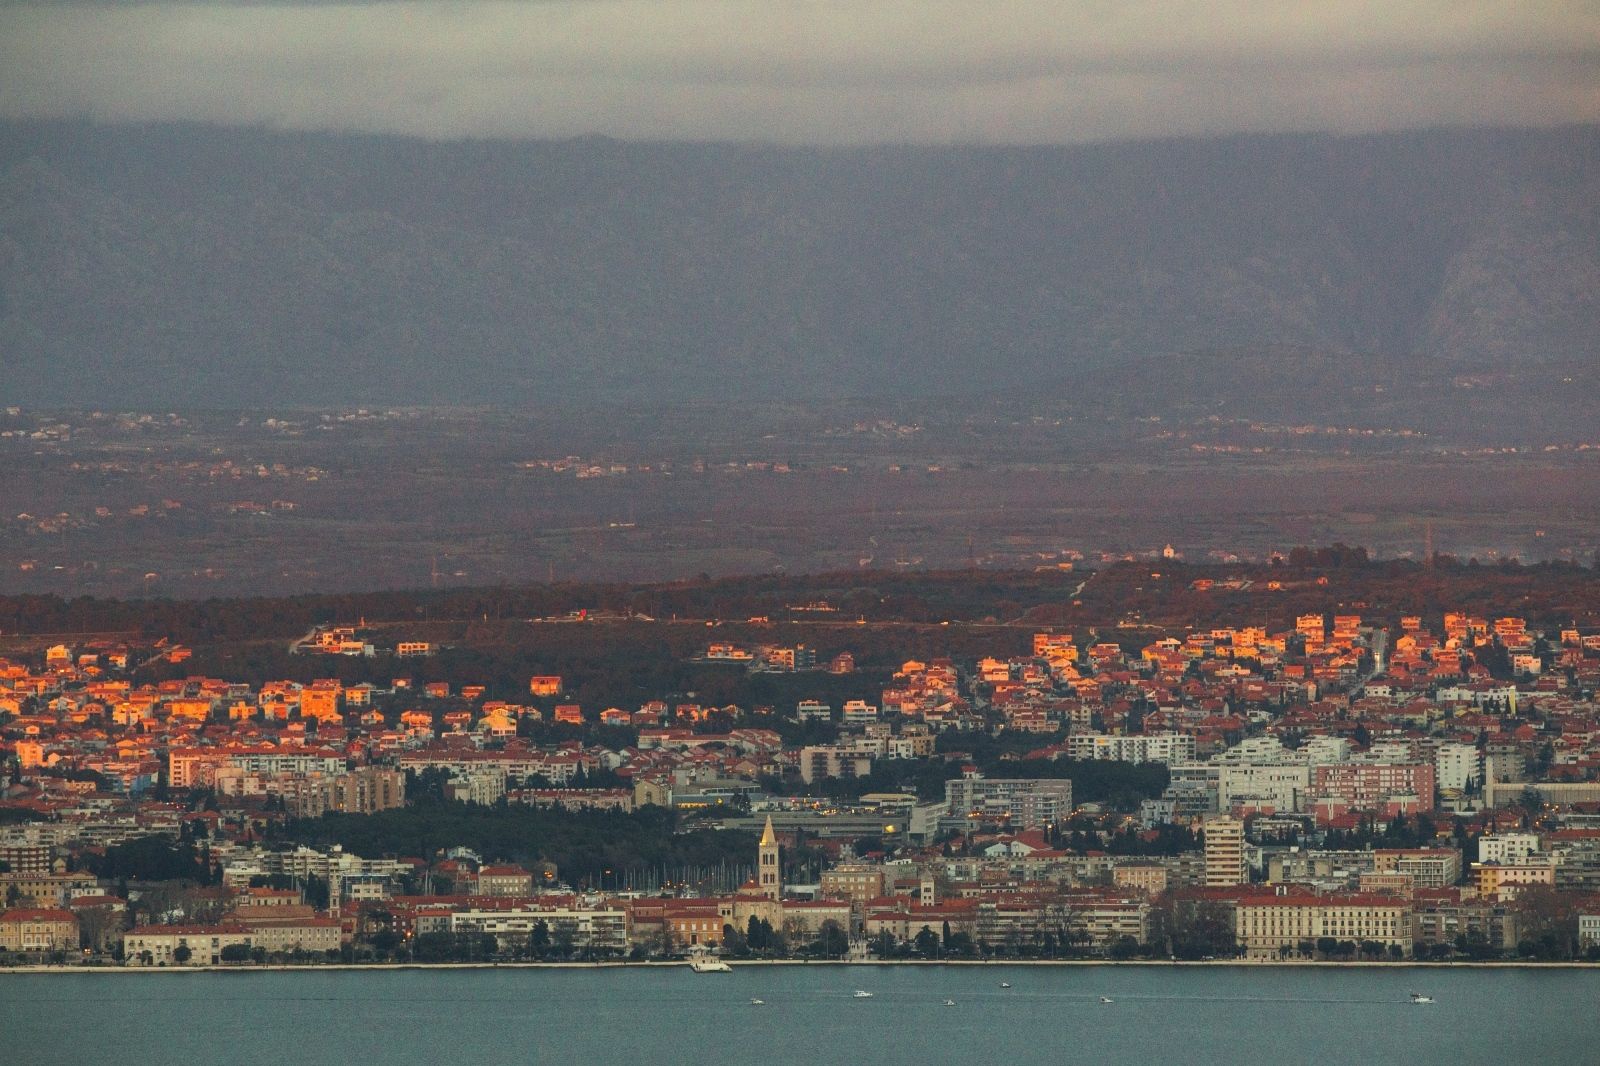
(754,1002)
(707,964)
(862,993)
(1418,997)
(1005,984)
(1107,999)
(949,1003)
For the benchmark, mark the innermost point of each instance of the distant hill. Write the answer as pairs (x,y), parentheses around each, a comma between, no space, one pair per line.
(193,265)
(1447,401)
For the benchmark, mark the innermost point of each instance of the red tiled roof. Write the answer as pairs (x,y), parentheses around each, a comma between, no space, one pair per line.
(37,914)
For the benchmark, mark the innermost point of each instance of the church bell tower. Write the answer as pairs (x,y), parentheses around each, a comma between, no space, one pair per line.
(768,873)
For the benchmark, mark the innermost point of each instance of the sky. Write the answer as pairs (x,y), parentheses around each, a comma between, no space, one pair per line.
(809,71)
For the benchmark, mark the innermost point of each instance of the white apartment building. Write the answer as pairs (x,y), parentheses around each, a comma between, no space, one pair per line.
(1459,767)
(1192,789)
(1262,750)
(603,929)
(1391,751)
(1281,787)
(1157,747)
(1324,749)
(1507,849)
(1024,802)
(482,785)
(859,712)
(813,711)
(334,866)
(1427,867)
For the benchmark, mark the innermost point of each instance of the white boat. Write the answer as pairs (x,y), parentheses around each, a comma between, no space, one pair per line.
(949,1003)
(1005,984)
(757,1002)
(862,993)
(1106,999)
(1418,997)
(707,964)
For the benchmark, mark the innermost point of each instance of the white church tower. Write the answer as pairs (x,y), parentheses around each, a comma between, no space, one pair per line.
(769,874)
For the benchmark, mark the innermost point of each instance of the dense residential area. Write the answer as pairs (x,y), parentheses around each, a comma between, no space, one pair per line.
(1341,787)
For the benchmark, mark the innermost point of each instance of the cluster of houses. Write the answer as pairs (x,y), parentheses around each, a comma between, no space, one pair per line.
(1277,745)
(1007,894)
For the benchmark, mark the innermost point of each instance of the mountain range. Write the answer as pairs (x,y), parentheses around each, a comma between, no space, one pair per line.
(192,265)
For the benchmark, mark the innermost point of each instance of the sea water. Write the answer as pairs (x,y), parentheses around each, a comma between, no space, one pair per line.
(1239,1015)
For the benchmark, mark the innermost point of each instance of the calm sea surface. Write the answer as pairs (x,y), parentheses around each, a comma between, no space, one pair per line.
(1233,1015)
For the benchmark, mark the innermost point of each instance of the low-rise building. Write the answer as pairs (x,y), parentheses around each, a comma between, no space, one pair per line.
(199,945)
(1148,877)
(603,929)
(30,929)
(1503,880)
(503,881)
(1449,921)
(282,936)
(857,883)
(48,889)
(1427,867)
(1265,925)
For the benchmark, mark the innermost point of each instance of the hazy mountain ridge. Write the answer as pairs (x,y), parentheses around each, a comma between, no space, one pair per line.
(1445,403)
(184,264)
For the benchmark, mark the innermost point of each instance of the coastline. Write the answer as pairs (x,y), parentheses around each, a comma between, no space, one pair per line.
(1502,964)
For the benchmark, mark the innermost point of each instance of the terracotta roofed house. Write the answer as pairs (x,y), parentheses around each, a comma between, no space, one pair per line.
(504,880)
(38,929)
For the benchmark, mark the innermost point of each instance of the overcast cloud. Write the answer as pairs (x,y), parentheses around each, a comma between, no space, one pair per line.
(813,71)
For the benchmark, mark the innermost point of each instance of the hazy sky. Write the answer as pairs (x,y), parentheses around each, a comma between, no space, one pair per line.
(810,70)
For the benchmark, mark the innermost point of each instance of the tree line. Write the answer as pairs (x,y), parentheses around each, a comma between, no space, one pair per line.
(584,846)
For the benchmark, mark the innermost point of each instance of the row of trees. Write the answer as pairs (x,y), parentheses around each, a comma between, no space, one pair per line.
(156,858)
(926,596)
(584,845)
(1328,948)
(930,597)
